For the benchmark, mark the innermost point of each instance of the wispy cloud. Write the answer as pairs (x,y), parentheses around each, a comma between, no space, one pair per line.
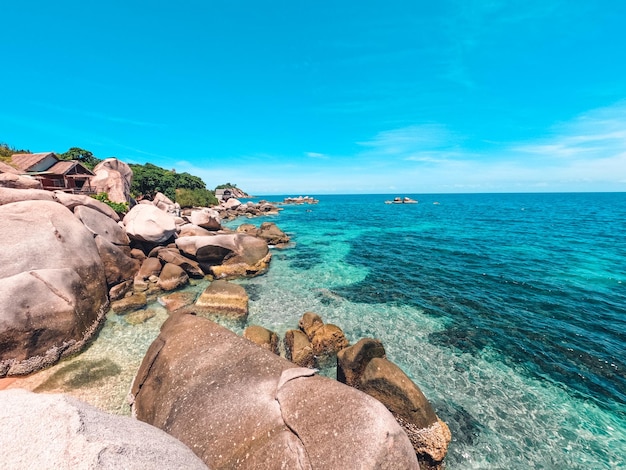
(317,155)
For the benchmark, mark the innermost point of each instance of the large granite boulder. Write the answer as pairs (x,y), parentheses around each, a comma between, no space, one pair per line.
(46,431)
(268,231)
(71,201)
(114,178)
(147,223)
(228,255)
(172,255)
(10,180)
(206,218)
(102,225)
(239,406)
(223,299)
(53,290)
(191,230)
(164,203)
(9,195)
(366,367)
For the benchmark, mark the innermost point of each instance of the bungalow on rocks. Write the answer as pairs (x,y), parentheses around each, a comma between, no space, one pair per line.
(54,174)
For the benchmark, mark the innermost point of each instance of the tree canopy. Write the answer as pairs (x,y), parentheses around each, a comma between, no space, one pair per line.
(84,156)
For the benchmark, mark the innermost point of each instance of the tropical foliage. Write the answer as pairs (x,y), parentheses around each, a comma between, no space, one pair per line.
(84,156)
(119,207)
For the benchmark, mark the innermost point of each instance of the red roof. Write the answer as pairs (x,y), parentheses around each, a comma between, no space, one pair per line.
(24,161)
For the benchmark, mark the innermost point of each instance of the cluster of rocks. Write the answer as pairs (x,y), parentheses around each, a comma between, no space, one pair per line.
(300,200)
(240,406)
(234,208)
(67,257)
(365,367)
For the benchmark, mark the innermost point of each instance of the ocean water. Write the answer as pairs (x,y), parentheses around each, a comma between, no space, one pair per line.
(508,310)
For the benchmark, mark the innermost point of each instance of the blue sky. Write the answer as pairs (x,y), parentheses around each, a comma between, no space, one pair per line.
(315,97)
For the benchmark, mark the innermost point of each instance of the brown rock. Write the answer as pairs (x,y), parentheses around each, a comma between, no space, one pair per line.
(390,385)
(223,298)
(299,350)
(120,290)
(328,339)
(177,300)
(139,316)
(138,254)
(272,234)
(10,180)
(206,218)
(117,266)
(172,277)
(263,337)
(150,267)
(310,323)
(128,304)
(351,361)
(172,255)
(243,407)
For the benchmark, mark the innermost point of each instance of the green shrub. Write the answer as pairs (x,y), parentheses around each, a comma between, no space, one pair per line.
(195,197)
(119,207)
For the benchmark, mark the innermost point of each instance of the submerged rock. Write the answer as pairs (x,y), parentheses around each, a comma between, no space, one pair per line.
(298,348)
(262,337)
(239,406)
(225,299)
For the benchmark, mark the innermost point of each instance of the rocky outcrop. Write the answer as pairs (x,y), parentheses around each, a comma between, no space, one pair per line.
(164,203)
(53,290)
(239,406)
(223,299)
(268,231)
(263,337)
(365,366)
(326,339)
(9,195)
(102,225)
(118,267)
(173,256)
(227,255)
(114,178)
(147,223)
(56,431)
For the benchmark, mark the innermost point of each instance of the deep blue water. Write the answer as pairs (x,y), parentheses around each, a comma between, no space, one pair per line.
(509,311)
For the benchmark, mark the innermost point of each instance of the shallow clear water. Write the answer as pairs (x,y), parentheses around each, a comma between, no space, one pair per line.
(509,311)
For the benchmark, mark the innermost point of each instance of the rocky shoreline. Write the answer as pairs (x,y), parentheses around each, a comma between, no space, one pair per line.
(233,401)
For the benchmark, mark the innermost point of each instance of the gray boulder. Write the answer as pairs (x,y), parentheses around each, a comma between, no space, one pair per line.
(45,431)
(99,224)
(53,290)
(239,406)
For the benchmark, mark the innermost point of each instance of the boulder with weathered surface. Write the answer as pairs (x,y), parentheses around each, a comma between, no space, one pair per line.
(269,232)
(147,223)
(365,366)
(9,195)
(228,255)
(164,203)
(328,339)
(262,337)
(113,177)
(130,303)
(150,267)
(46,431)
(173,255)
(53,290)
(239,406)
(224,299)
(310,323)
(172,277)
(298,348)
(191,230)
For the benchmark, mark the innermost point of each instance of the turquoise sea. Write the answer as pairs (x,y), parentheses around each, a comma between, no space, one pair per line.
(508,310)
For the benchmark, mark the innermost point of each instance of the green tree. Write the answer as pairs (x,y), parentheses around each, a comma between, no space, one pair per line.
(84,156)
(6,151)
(195,198)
